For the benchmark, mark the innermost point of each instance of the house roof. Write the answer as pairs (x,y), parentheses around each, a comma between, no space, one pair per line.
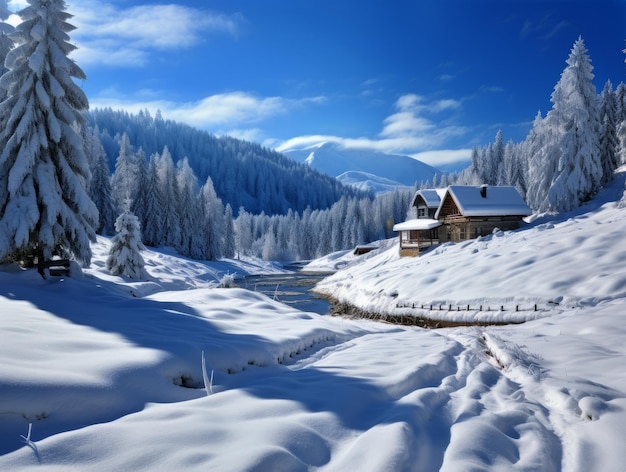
(417,224)
(498,201)
(432,197)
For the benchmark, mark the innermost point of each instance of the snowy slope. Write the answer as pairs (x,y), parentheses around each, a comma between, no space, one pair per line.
(109,373)
(559,262)
(335,160)
(369,182)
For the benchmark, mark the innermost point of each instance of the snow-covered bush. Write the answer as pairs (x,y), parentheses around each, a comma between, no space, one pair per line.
(125,254)
(227,281)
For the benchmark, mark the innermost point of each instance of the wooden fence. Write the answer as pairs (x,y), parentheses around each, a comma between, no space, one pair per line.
(451,307)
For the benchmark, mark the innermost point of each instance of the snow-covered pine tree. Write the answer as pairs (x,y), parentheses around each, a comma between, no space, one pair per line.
(243,232)
(608,132)
(6,43)
(125,253)
(569,159)
(188,213)
(100,185)
(140,204)
(229,233)
(44,206)
(497,172)
(169,190)
(211,226)
(153,231)
(124,179)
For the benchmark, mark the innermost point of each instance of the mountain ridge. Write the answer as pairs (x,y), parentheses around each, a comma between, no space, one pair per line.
(364,168)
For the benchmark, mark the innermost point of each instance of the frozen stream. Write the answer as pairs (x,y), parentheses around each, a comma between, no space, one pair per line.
(293,289)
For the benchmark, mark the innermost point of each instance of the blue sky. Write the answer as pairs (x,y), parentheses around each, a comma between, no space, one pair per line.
(428,78)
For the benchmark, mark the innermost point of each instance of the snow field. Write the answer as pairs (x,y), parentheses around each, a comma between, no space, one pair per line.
(109,372)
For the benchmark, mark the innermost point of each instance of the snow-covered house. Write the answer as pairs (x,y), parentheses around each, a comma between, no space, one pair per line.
(423,231)
(464,212)
(426,202)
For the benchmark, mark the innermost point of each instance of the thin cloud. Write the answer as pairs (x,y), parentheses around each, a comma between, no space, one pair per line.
(113,36)
(545,28)
(227,110)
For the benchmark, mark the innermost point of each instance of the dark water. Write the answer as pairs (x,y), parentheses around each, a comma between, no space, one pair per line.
(293,289)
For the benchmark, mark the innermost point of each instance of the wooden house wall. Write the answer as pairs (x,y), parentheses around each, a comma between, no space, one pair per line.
(457,229)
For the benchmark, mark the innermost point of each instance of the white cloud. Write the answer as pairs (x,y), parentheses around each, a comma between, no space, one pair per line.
(411,130)
(109,35)
(227,110)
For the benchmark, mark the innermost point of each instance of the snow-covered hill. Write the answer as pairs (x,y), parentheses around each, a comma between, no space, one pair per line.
(109,372)
(555,262)
(362,164)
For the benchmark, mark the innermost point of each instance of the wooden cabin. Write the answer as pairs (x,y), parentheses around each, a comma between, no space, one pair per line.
(462,213)
(467,212)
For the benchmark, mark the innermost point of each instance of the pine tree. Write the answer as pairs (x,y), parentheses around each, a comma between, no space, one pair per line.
(171,204)
(124,180)
(243,232)
(125,253)
(44,206)
(229,233)
(140,204)
(153,232)
(211,222)
(6,43)
(188,209)
(100,185)
(608,133)
(566,170)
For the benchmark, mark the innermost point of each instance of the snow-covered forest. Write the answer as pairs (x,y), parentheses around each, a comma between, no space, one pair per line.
(171,201)
(570,153)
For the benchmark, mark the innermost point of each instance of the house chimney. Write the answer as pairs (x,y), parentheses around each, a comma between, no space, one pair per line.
(483,191)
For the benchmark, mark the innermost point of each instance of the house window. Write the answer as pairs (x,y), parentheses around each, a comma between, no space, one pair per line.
(434,233)
(462,235)
(421,212)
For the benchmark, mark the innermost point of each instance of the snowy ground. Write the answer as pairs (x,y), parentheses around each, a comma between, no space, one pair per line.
(109,373)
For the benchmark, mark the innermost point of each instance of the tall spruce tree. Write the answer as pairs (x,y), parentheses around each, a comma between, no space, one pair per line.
(100,185)
(6,43)
(44,206)
(566,170)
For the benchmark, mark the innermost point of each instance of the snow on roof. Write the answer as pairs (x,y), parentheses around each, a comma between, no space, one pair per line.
(417,224)
(432,197)
(498,201)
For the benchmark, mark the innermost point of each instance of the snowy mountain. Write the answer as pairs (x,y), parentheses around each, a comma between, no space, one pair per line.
(368,182)
(335,160)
